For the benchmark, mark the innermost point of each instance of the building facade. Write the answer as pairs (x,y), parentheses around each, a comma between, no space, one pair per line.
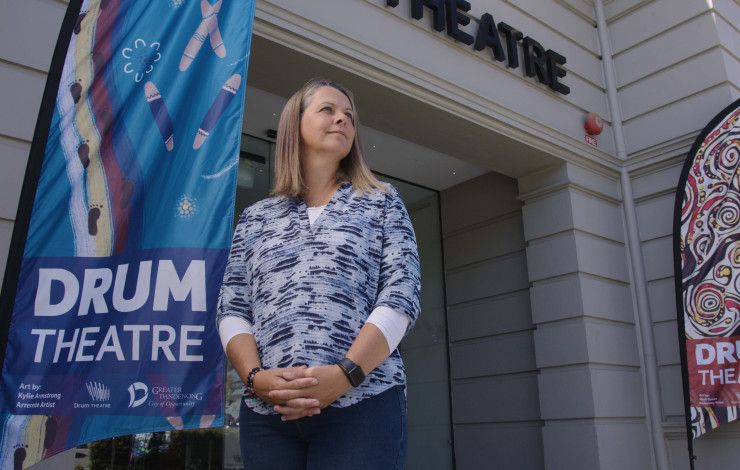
(549,337)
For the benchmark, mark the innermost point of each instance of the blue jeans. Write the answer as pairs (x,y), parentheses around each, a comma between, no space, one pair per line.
(368,435)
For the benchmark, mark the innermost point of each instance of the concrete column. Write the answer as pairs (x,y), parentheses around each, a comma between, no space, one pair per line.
(590,382)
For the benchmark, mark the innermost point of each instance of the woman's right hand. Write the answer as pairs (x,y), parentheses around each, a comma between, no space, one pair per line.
(290,378)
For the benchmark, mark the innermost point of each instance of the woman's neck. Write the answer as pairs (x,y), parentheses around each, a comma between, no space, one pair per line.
(319,189)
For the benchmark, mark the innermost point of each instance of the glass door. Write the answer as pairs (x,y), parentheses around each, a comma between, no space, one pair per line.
(425,351)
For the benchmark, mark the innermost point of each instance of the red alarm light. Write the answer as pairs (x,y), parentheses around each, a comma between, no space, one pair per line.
(593,125)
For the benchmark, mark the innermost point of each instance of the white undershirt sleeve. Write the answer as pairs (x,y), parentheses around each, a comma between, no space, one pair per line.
(232,326)
(391,323)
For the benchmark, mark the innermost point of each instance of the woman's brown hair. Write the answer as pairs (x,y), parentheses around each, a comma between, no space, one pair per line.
(288,178)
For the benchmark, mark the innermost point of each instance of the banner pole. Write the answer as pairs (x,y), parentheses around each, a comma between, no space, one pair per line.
(677,278)
(33,171)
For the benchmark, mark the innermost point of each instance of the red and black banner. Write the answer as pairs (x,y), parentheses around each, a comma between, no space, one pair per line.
(706,242)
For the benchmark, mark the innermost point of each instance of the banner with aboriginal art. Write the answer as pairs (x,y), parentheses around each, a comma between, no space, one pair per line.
(124,227)
(707,274)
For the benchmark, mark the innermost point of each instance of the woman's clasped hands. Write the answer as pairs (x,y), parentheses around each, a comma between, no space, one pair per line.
(297,392)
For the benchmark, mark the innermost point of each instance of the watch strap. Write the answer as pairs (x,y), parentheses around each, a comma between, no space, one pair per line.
(354,373)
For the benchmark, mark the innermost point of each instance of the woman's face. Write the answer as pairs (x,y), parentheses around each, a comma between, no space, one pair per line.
(327,125)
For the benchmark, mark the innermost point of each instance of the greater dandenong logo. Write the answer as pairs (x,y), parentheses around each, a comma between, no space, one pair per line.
(98,391)
(134,390)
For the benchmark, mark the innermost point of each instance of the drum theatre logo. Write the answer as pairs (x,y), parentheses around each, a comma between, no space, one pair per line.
(98,391)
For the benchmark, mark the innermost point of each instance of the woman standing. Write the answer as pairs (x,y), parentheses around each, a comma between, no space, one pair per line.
(321,284)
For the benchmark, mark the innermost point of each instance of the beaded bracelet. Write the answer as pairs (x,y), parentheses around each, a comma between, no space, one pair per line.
(249,389)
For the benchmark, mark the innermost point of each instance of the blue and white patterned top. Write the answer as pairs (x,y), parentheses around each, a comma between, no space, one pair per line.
(307,290)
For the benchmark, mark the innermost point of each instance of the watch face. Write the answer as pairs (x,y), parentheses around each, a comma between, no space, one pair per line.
(356,376)
(354,373)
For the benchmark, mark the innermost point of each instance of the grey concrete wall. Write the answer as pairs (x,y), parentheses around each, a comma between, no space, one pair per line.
(676,64)
(496,413)
(590,382)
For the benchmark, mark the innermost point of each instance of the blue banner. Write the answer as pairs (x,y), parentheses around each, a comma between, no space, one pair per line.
(113,318)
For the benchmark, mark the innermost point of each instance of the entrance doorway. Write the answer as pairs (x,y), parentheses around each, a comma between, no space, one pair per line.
(424,350)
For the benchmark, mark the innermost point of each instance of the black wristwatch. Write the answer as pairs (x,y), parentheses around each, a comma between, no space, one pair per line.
(354,373)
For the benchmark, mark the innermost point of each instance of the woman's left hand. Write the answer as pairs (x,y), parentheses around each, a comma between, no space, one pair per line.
(332,385)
